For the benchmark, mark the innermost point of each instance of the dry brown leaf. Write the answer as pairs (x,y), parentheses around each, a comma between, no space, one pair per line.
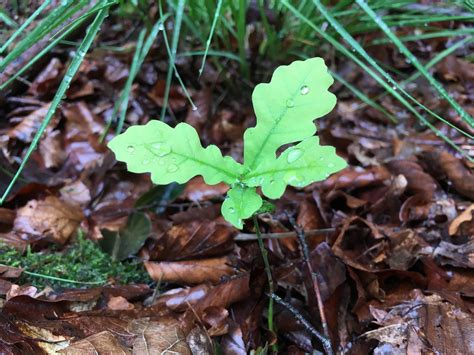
(50,218)
(119,303)
(466,216)
(47,80)
(101,343)
(29,125)
(158,338)
(197,190)
(190,272)
(51,149)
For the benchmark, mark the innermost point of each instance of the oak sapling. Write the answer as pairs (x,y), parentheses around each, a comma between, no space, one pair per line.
(285,109)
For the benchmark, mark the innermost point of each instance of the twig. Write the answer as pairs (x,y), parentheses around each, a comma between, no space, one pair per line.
(309,233)
(324,341)
(314,277)
(268,271)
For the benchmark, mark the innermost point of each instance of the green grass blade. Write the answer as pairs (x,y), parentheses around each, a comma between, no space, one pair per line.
(367,100)
(416,63)
(172,52)
(358,48)
(6,19)
(24,25)
(211,33)
(122,103)
(54,19)
(45,50)
(91,33)
(337,45)
(172,57)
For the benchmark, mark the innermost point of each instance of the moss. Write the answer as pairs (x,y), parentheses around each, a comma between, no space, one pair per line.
(82,262)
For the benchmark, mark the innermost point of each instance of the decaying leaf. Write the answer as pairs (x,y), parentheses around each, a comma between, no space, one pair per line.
(50,218)
(190,272)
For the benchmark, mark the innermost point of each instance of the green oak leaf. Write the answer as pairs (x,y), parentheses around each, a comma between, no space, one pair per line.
(298,166)
(286,108)
(173,154)
(241,203)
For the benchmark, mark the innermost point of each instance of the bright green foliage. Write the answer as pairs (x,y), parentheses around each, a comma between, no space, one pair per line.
(241,202)
(173,154)
(285,109)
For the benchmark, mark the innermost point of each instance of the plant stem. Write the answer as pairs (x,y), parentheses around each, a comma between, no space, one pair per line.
(314,277)
(268,271)
(324,341)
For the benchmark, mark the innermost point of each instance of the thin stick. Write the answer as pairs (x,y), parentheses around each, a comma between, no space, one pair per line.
(314,277)
(268,271)
(309,233)
(324,341)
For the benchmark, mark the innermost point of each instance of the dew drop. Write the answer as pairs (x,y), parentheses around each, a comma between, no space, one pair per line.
(161,149)
(145,162)
(321,158)
(232,210)
(272,182)
(290,103)
(172,168)
(294,155)
(331,165)
(304,90)
(131,148)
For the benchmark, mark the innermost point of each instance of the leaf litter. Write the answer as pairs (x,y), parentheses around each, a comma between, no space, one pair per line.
(390,236)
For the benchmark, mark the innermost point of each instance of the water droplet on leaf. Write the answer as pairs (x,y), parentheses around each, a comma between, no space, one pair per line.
(232,210)
(131,148)
(145,162)
(290,103)
(172,168)
(161,149)
(331,165)
(304,90)
(294,155)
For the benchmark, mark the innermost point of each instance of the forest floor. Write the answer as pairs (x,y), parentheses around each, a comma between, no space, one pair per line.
(94,259)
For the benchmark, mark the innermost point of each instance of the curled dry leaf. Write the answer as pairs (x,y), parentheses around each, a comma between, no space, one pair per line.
(456,172)
(191,272)
(419,182)
(101,343)
(50,218)
(456,224)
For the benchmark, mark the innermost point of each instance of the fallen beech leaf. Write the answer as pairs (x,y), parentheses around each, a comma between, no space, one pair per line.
(29,125)
(51,150)
(76,193)
(16,290)
(119,303)
(50,218)
(419,182)
(455,170)
(101,343)
(192,239)
(9,272)
(466,216)
(197,190)
(159,338)
(47,79)
(192,271)
(456,255)
(7,216)
(353,178)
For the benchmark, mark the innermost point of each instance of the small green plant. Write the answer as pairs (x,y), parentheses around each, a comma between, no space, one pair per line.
(285,109)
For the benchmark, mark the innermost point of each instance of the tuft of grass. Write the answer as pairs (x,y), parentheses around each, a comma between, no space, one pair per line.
(70,73)
(67,268)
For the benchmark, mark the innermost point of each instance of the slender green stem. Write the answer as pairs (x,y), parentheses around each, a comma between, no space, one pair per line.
(211,33)
(101,282)
(268,271)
